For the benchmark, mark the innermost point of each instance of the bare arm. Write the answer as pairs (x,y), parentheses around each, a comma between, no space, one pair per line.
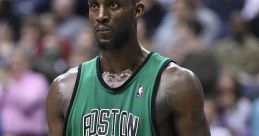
(58,101)
(54,111)
(185,98)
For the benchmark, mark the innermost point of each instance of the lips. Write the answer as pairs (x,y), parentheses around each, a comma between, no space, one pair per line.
(103,29)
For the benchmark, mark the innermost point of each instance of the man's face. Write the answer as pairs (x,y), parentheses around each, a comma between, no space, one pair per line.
(112,21)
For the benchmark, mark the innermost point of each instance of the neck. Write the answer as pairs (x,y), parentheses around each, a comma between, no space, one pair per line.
(129,57)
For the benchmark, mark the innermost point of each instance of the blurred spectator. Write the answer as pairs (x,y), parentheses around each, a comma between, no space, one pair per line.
(86,34)
(50,62)
(77,57)
(238,52)
(206,67)
(188,50)
(82,50)
(4,80)
(255,118)
(153,11)
(209,20)
(187,40)
(23,108)
(82,8)
(4,9)
(251,13)
(1,110)
(49,23)
(6,42)
(69,24)
(30,36)
(5,12)
(4,77)
(224,9)
(20,9)
(254,27)
(23,8)
(212,115)
(166,3)
(235,108)
(251,9)
(54,52)
(182,9)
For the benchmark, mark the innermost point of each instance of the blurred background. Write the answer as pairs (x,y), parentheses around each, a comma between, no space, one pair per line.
(217,39)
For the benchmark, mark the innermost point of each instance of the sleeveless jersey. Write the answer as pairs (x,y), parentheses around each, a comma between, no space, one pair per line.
(98,110)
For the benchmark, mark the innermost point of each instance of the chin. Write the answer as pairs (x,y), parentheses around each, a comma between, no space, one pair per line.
(106,45)
(110,44)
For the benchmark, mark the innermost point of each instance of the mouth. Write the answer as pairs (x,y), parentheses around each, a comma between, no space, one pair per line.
(103,29)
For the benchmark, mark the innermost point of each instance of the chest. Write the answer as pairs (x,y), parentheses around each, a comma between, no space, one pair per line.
(99,111)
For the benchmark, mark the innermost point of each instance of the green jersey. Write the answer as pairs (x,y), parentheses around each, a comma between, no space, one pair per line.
(98,110)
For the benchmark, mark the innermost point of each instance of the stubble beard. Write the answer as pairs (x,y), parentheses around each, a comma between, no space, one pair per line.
(117,42)
(107,46)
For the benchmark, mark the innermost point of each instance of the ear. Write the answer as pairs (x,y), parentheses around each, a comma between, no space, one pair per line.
(139,10)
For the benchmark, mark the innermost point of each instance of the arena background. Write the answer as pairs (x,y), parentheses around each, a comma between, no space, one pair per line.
(217,39)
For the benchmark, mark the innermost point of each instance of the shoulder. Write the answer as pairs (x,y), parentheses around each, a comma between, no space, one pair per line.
(175,75)
(65,82)
(62,88)
(58,100)
(183,88)
(66,77)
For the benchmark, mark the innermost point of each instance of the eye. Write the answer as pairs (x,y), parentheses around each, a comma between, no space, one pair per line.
(93,5)
(113,5)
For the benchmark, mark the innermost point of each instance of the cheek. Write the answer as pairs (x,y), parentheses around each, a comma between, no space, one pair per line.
(122,28)
(121,17)
(124,22)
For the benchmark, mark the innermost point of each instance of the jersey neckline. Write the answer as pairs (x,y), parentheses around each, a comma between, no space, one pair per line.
(118,89)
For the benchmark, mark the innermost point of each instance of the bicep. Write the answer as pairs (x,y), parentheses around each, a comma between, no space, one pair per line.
(54,112)
(186,101)
(192,124)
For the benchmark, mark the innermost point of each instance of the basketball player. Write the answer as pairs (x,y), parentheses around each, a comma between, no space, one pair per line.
(126,90)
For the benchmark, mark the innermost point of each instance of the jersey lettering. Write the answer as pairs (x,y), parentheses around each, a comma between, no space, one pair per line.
(97,122)
(94,121)
(123,123)
(104,123)
(87,123)
(115,112)
(132,125)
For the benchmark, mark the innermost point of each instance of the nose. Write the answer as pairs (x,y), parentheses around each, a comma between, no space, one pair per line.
(102,16)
